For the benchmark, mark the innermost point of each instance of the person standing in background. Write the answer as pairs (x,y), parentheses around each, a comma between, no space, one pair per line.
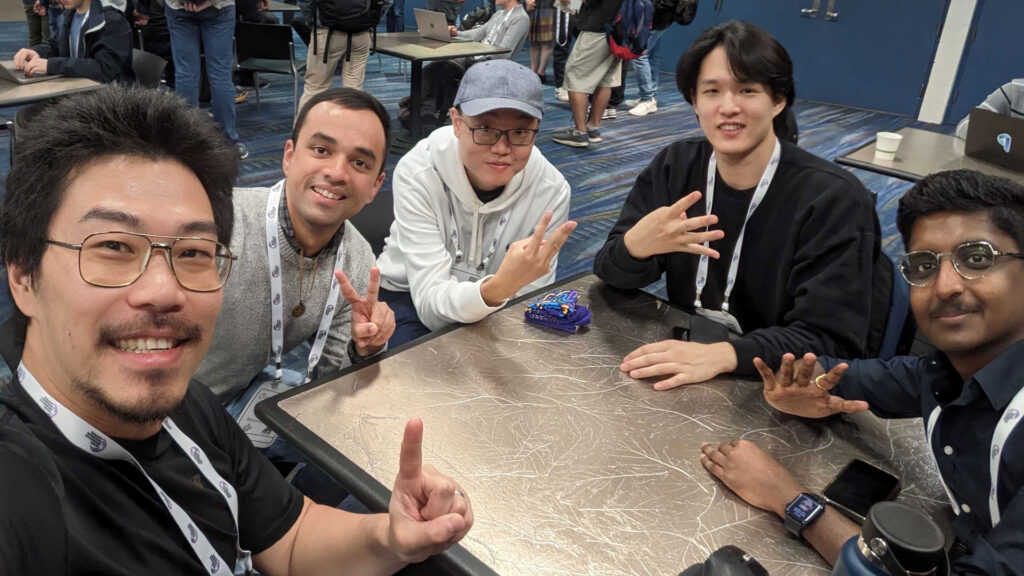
(542,35)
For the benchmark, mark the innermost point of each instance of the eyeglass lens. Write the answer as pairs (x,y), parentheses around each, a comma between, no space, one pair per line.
(971,260)
(490,136)
(119,259)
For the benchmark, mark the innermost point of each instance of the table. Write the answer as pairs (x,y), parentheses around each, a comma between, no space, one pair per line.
(572,467)
(410,46)
(922,153)
(276,6)
(12,94)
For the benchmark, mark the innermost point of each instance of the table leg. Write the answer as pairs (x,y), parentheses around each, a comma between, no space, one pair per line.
(415,104)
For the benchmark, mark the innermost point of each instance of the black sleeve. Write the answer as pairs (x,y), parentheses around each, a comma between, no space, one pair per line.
(108,59)
(830,282)
(267,505)
(33,539)
(660,184)
(49,48)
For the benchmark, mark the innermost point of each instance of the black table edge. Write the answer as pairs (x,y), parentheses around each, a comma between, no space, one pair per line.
(871,167)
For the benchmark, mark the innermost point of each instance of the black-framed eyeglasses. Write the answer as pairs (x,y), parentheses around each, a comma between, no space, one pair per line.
(971,260)
(118,259)
(489,136)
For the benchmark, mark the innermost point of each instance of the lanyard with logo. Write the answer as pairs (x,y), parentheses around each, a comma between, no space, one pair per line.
(1007,423)
(454,236)
(277,296)
(723,316)
(91,441)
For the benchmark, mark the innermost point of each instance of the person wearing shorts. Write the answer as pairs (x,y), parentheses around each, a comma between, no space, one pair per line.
(591,69)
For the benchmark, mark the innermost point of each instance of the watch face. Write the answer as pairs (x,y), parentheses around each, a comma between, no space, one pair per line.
(802,509)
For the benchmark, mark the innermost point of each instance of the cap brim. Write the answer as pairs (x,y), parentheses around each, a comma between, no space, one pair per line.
(485,105)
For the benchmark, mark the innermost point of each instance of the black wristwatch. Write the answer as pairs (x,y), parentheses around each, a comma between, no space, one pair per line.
(803,511)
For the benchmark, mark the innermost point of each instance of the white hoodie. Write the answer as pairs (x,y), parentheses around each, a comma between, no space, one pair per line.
(419,253)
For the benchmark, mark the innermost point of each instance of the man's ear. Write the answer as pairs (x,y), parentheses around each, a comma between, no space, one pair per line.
(778,105)
(286,160)
(23,290)
(377,185)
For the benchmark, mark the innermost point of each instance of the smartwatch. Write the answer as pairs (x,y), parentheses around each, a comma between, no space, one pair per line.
(803,511)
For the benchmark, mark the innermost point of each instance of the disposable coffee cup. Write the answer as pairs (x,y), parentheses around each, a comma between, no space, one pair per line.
(886,145)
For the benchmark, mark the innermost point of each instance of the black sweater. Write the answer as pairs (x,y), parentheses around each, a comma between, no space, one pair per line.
(804,278)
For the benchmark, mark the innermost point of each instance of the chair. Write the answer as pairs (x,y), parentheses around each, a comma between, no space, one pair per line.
(267,48)
(148,68)
(374,220)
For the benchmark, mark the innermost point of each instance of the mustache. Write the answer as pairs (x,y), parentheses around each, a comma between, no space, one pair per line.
(953,308)
(182,329)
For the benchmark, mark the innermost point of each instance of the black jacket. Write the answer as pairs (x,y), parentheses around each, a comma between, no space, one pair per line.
(104,50)
(805,274)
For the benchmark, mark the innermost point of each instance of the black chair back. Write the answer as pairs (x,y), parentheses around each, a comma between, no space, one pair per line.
(263,41)
(374,220)
(148,67)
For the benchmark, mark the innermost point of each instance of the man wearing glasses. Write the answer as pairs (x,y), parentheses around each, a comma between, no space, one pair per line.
(111,461)
(473,204)
(964,233)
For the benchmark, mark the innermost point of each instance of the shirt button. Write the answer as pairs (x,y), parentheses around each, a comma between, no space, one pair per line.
(948,450)
(966,509)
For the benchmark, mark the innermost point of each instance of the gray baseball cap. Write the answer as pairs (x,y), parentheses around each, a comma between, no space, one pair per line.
(496,84)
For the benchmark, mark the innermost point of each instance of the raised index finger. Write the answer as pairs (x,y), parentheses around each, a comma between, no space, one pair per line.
(410,460)
(374,287)
(684,203)
(347,290)
(540,231)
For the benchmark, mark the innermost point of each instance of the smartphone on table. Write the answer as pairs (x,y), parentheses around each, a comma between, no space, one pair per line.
(858,487)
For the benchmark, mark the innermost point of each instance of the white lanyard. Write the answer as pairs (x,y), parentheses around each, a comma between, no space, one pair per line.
(454,234)
(709,195)
(91,441)
(277,295)
(1007,422)
(493,35)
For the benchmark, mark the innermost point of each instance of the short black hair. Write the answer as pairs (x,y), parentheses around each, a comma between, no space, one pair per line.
(965,191)
(67,134)
(349,99)
(754,56)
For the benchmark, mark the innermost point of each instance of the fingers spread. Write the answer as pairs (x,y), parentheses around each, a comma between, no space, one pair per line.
(539,232)
(766,374)
(805,369)
(785,375)
(684,203)
(374,286)
(553,244)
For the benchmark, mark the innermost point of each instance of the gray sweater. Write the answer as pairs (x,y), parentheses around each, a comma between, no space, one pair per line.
(241,341)
(506,29)
(1007,99)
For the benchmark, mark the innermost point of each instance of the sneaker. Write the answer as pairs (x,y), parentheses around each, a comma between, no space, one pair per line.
(572,137)
(644,108)
(593,134)
(240,96)
(631,103)
(562,94)
(243,152)
(609,114)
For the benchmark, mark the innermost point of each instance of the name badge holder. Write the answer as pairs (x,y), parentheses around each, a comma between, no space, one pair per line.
(723,316)
(1008,422)
(463,272)
(91,441)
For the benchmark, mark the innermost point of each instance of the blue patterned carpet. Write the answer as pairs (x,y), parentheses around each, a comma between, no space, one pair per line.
(600,175)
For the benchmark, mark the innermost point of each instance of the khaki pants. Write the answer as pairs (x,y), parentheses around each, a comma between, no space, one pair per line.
(320,75)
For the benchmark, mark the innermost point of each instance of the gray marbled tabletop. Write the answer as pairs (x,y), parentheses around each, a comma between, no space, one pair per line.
(574,468)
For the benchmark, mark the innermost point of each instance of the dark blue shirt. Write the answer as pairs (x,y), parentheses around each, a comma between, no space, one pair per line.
(906,387)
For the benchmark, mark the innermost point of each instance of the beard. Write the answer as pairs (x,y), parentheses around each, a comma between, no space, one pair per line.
(153,394)
(158,400)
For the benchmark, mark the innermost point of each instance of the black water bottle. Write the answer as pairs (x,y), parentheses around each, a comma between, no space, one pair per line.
(896,540)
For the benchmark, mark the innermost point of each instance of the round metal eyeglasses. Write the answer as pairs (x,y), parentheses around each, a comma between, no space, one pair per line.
(971,260)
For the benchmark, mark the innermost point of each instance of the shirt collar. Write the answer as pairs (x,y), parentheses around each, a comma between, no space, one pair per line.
(999,380)
(289,231)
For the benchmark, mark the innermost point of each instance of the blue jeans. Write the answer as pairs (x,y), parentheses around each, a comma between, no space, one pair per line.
(646,67)
(54,13)
(216,28)
(407,322)
(396,17)
(450,9)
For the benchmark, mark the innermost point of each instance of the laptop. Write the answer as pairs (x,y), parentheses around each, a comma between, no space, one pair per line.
(433,25)
(10,73)
(996,138)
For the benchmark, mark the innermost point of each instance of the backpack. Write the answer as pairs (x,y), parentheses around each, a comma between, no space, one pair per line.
(475,18)
(348,15)
(629,30)
(351,16)
(666,12)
